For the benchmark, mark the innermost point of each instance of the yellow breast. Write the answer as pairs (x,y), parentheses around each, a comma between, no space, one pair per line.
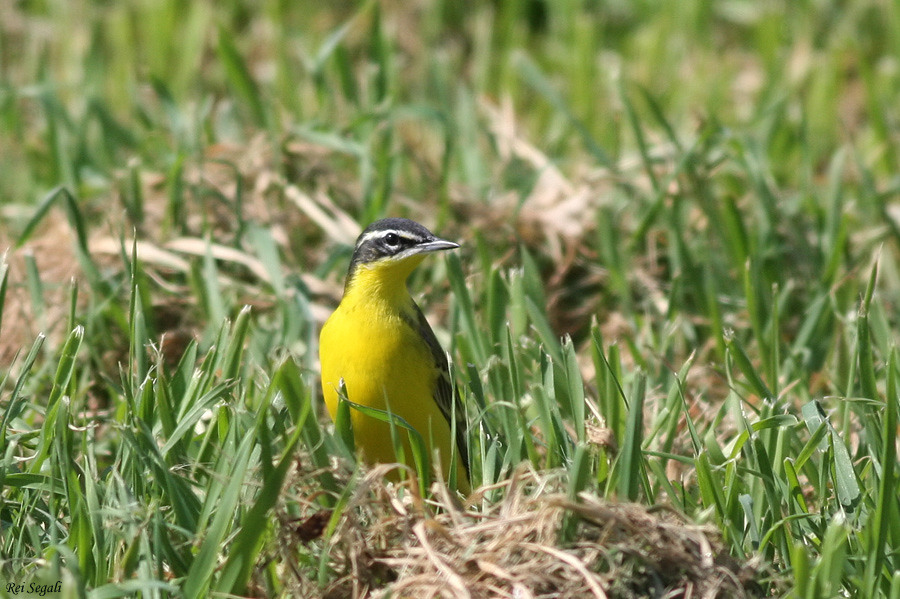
(385,364)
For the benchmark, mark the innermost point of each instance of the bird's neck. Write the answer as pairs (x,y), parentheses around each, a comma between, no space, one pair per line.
(383,284)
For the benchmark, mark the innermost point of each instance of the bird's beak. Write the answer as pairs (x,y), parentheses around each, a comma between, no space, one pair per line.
(436,245)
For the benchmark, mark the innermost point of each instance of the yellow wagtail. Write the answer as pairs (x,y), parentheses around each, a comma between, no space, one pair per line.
(378,343)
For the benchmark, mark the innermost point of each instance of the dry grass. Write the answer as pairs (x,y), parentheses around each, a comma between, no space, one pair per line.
(534,543)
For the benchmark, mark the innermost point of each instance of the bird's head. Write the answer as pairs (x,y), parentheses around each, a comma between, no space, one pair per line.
(388,250)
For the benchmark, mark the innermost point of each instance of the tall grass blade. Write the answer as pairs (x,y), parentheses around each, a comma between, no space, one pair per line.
(244,551)
(886,505)
(630,465)
(240,79)
(233,469)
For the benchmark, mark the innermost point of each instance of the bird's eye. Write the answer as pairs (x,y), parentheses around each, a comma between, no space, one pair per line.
(392,239)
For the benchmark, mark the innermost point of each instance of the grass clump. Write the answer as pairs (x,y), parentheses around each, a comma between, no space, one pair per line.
(533,540)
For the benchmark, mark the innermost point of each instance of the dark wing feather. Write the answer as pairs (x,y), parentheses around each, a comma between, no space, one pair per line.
(443,393)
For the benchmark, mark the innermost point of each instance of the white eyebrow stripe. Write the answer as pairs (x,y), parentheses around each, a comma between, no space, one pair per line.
(385,232)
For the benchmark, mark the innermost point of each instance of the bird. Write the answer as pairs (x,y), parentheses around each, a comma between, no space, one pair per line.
(378,348)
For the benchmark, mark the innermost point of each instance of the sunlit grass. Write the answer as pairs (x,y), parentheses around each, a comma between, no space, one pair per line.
(675,287)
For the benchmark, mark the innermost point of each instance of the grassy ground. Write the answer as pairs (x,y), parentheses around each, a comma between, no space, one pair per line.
(673,318)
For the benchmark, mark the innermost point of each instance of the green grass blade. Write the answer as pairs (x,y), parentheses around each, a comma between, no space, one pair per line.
(886,498)
(574,389)
(4,280)
(420,454)
(244,551)
(240,79)
(630,465)
(343,423)
(867,378)
(16,400)
(233,470)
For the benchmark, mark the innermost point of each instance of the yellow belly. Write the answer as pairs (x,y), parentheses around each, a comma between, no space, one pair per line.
(386,365)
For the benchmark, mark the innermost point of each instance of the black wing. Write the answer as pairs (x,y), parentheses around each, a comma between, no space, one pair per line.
(446,399)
